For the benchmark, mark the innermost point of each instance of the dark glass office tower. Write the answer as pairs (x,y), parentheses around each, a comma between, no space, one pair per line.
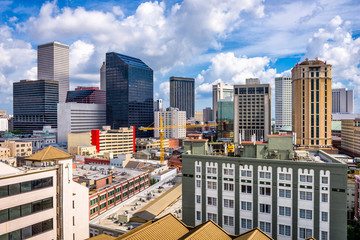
(182,95)
(34,104)
(129,93)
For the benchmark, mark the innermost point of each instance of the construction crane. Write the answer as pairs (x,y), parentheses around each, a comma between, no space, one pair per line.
(161,129)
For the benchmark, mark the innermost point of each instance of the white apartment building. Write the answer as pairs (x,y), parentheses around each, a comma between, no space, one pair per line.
(79,117)
(41,201)
(283,102)
(53,64)
(221,91)
(4,124)
(171,117)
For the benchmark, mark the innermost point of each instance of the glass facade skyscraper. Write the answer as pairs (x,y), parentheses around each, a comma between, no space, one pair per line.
(182,95)
(34,104)
(129,93)
(225,119)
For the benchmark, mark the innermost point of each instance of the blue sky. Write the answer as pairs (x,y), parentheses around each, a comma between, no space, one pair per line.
(210,40)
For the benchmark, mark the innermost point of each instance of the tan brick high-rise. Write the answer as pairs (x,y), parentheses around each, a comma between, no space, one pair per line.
(311,110)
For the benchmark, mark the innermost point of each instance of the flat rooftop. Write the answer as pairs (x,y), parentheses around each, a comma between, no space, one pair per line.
(91,172)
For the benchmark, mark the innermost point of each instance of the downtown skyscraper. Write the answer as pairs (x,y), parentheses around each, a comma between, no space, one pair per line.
(129,93)
(34,104)
(283,102)
(311,111)
(182,95)
(53,64)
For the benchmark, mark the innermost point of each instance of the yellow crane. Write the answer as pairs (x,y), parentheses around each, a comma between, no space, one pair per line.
(161,128)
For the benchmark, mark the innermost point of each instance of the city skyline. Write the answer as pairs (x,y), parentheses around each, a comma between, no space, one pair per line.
(230,44)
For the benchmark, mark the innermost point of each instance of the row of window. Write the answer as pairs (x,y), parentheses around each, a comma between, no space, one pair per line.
(25,209)
(24,187)
(265,175)
(29,231)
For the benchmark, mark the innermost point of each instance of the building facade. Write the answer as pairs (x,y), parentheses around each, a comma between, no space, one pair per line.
(90,95)
(283,102)
(103,76)
(182,95)
(117,141)
(39,203)
(34,104)
(342,100)
(221,91)
(225,120)
(357,197)
(286,199)
(171,117)
(53,64)
(158,104)
(311,108)
(18,148)
(252,110)
(79,117)
(350,136)
(199,116)
(129,93)
(208,114)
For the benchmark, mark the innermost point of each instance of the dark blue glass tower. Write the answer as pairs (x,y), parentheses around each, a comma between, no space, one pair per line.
(129,93)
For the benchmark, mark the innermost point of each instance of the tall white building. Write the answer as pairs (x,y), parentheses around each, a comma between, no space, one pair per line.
(158,104)
(221,91)
(103,76)
(283,102)
(79,117)
(342,100)
(53,64)
(41,201)
(171,117)
(4,124)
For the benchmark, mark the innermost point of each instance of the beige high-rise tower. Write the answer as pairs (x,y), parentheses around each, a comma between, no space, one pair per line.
(311,109)
(53,64)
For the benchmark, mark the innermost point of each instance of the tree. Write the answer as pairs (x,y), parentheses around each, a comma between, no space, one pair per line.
(353,230)
(152,181)
(17,132)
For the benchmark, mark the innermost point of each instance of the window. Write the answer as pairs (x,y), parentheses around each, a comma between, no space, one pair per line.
(265,191)
(228,221)
(211,185)
(212,216)
(246,206)
(198,169)
(324,235)
(285,193)
(324,216)
(265,226)
(305,214)
(228,171)
(305,178)
(284,211)
(285,176)
(246,189)
(265,208)
(324,197)
(305,233)
(324,180)
(198,183)
(266,175)
(229,187)
(198,215)
(228,203)
(246,223)
(198,199)
(306,195)
(212,201)
(284,230)
(211,170)
(245,173)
